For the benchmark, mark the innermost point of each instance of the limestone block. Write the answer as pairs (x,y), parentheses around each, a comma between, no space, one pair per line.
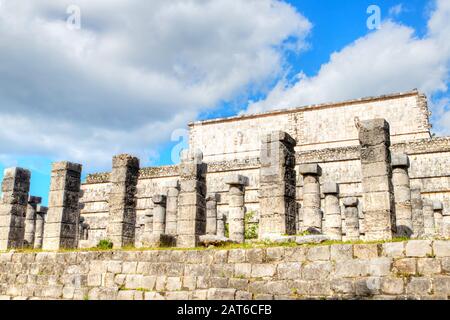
(441,248)
(330,188)
(418,248)
(400,160)
(310,169)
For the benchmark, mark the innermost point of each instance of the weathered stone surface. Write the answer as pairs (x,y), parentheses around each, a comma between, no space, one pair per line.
(402,194)
(333,218)
(441,248)
(429,226)
(63,215)
(378,205)
(394,249)
(418,248)
(352,229)
(13,207)
(213,240)
(312,215)
(211,214)
(122,200)
(311,239)
(173,190)
(417,213)
(277,179)
(236,209)
(192,215)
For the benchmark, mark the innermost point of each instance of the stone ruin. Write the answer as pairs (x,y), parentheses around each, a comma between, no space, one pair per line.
(364,169)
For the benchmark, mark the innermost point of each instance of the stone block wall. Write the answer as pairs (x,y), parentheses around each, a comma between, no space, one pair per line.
(417,269)
(313,127)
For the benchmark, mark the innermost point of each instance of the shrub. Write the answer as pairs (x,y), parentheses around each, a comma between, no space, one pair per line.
(105,245)
(251,228)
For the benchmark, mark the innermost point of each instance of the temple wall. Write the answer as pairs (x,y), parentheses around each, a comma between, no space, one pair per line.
(313,127)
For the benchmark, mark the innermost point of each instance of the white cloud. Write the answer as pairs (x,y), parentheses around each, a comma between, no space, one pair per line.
(387,60)
(134,72)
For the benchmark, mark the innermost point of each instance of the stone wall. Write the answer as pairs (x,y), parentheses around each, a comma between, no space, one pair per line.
(313,127)
(418,269)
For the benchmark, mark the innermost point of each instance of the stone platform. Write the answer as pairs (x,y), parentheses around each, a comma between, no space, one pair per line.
(416,269)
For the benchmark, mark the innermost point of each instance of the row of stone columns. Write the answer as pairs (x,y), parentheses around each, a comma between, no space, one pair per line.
(22,219)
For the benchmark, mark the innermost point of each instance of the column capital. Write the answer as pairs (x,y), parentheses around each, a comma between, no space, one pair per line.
(159,199)
(351,202)
(330,188)
(400,160)
(310,169)
(236,179)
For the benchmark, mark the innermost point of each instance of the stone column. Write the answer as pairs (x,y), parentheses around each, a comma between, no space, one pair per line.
(378,196)
(173,190)
(30,221)
(333,217)
(159,214)
(312,215)
(80,229)
(41,212)
(211,214)
(236,207)
(191,222)
(402,194)
(446,224)
(428,219)
(277,185)
(63,217)
(438,217)
(351,219)
(220,224)
(122,201)
(148,222)
(417,213)
(13,207)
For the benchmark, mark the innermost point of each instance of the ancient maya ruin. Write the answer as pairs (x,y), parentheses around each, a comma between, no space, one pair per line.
(364,169)
(322,189)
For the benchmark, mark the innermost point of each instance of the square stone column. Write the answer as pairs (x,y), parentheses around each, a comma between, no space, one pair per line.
(41,213)
(446,224)
(277,179)
(402,194)
(173,191)
(438,216)
(312,214)
(333,217)
(378,193)
(13,207)
(220,224)
(352,231)
(159,214)
(236,206)
(211,214)
(63,216)
(417,213)
(429,226)
(191,222)
(122,201)
(30,221)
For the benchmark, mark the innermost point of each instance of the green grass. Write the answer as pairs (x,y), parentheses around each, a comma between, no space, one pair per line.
(247,245)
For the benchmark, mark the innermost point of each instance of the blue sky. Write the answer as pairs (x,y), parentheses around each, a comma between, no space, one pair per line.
(88,93)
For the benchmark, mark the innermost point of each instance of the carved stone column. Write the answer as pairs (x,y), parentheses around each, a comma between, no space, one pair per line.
(61,229)
(352,232)
(13,207)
